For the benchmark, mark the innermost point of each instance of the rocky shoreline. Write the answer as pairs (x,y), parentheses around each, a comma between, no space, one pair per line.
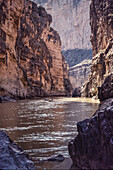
(12,156)
(92,148)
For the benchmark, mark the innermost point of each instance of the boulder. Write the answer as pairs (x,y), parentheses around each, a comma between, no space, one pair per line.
(58,158)
(12,156)
(92,148)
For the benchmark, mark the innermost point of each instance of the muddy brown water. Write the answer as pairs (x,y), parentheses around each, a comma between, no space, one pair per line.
(44,128)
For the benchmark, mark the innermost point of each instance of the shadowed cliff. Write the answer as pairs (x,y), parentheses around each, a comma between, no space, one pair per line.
(101,15)
(92,148)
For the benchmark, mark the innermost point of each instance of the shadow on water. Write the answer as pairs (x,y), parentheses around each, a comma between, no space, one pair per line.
(44,128)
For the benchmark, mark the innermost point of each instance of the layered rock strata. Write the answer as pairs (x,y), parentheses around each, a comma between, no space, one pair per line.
(102,66)
(31,63)
(102,42)
(72,21)
(78,74)
(101,20)
(12,156)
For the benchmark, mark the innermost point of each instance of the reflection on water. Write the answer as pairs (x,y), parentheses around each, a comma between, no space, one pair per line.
(44,128)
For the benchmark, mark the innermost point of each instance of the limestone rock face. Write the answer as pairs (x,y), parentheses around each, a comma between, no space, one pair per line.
(102,42)
(78,74)
(93,146)
(71,20)
(31,63)
(79,65)
(12,156)
(101,20)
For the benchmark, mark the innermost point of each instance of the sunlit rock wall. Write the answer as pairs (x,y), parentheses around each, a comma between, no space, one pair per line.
(31,63)
(71,19)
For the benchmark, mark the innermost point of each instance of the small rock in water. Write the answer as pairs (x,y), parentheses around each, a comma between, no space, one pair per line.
(6,99)
(58,158)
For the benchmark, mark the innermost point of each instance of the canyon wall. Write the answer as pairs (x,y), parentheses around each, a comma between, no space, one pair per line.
(92,148)
(79,73)
(101,20)
(72,21)
(79,65)
(31,63)
(102,41)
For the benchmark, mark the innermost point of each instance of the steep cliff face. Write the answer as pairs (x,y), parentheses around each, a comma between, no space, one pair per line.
(71,19)
(31,63)
(102,42)
(79,65)
(92,148)
(101,20)
(79,73)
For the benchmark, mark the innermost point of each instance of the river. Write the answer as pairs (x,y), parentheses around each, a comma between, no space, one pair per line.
(44,128)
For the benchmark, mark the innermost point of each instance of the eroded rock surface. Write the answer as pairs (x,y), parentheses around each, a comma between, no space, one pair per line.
(31,63)
(72,21)
(106,90)
(101,20)
(79,73)
(101,67)
(12,156)
(93,146)
(102,42)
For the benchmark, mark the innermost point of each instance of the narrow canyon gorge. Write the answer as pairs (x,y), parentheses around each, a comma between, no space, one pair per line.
(72,21)
(35,62)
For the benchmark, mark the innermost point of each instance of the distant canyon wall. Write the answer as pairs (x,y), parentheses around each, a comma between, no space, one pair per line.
(31,63)
(71,19)
(102,41)
(79,73)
